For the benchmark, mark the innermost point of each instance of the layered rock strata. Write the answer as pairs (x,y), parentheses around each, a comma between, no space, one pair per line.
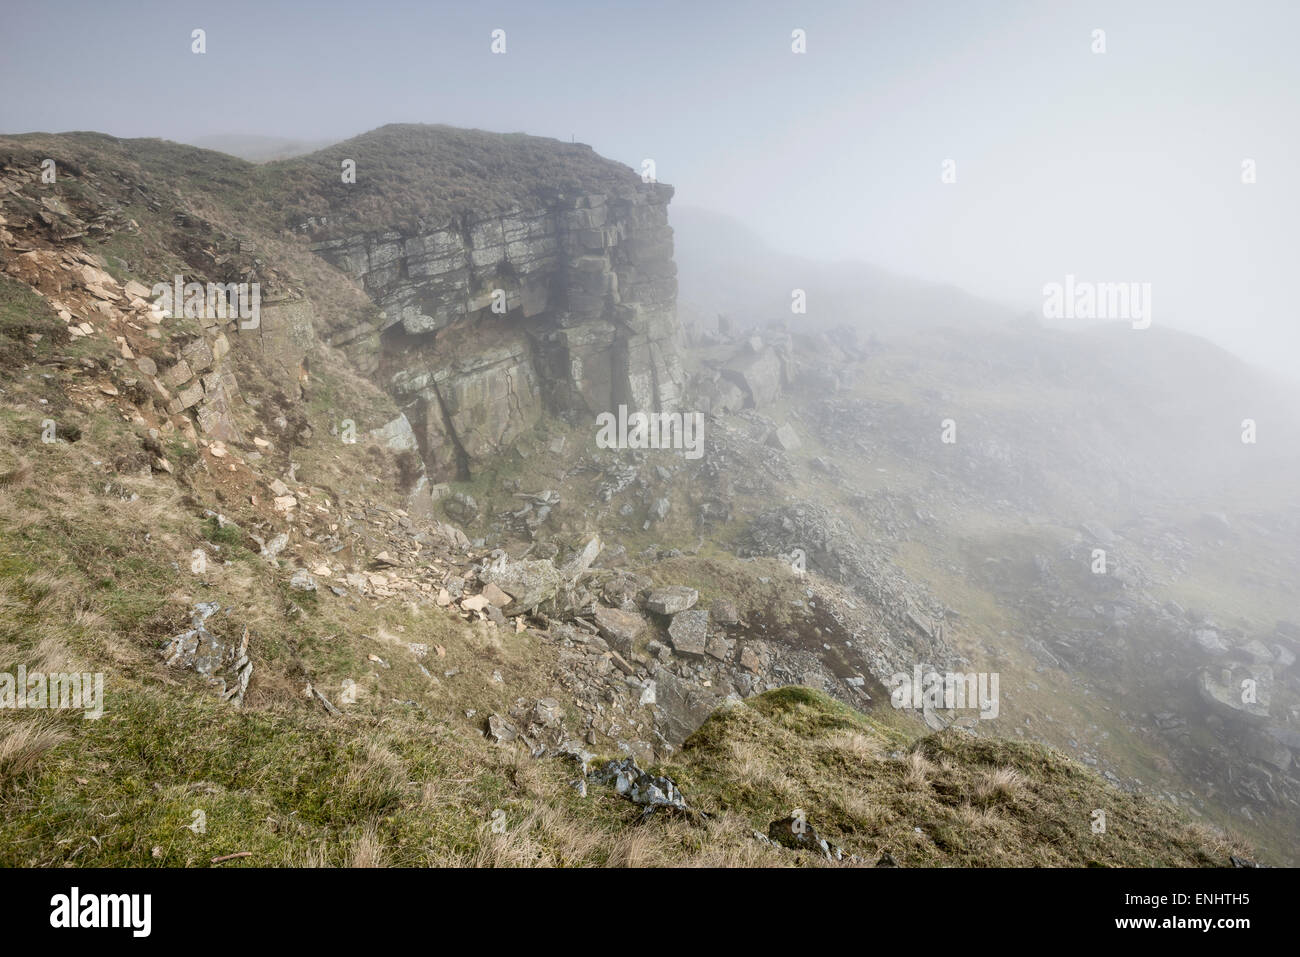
(488,323)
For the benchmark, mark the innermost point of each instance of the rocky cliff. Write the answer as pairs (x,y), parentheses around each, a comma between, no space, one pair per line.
(563,303)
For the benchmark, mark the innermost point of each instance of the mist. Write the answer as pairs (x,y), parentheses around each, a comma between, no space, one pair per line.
(990,146)
(694,435)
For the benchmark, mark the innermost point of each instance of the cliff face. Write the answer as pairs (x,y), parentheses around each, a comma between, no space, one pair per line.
(513,275)
(569,307)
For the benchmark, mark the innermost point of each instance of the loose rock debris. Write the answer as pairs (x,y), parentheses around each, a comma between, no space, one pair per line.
(212,656)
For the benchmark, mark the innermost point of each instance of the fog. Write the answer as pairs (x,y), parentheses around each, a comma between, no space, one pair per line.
(1116,166)
(963,348)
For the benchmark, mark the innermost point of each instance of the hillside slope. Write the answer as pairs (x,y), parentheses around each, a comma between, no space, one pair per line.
(337,658)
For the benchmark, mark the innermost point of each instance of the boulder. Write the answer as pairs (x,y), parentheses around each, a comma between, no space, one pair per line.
(689,632)
(1208,640)
(461,507)
(1225,692)
(528,583)
(397,435)
(724,611)
(757,374)
(671,600)
(619,628)
(576,566)
(1265,748)
(680,706)
(784,438)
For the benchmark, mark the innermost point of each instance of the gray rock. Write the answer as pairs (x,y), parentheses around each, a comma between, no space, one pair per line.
(272,549)
(225,663)
(546,713)
(724,611)
(581,562)
(302,581)
(500,730)
(1222,690)
(784,438)
(1209,641)
(461,507)
(681,706)
(1264,747)
(659,510)
(397,435)
(689,632)
(528,583)
(653,793)
(757,374)
(671,600)
(619,628)
(796,833)
(1257,652)
(589,287)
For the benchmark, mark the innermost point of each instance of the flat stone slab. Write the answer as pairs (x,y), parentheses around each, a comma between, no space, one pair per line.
(671,600)
(689,632)
(619,628)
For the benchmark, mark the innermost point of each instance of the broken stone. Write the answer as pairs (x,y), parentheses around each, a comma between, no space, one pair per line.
(689,632)
(302,581)
(191,396)
(750,658)
(653,793)
(179,374)
(796,833)
(528,583)
(1209,641)
(784,438)
(1098,533)
(621,663)
(1225,691)
(724,611)
(198,354)
(212,656)
(619,628)
(579,564)
(475,603)
(496,596)
(671,600)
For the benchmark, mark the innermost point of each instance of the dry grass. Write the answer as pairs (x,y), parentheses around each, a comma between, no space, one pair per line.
(368,850)
(947,799)
(23,747)
(918,772)
(998,784)
(17,477)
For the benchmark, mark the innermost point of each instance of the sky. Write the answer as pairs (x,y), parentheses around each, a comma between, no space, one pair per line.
(1117,166)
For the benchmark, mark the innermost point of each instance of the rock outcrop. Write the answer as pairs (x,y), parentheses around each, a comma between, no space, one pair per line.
(569,308)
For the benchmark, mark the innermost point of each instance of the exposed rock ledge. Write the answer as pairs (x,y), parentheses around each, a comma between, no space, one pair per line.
(589,288)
